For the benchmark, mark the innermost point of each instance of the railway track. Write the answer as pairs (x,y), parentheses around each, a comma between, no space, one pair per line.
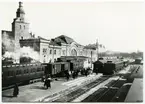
(107,94)
(68,97)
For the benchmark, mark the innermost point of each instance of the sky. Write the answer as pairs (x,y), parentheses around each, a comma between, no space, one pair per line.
(117,25)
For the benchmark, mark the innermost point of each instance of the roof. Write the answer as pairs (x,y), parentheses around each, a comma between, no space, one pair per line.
(39,37)
(71,58)
(6,31)
(114,61)
(9,33)
(91,46)
(101,61)
(54,43)
(64,39)
(30,40)
(20,9)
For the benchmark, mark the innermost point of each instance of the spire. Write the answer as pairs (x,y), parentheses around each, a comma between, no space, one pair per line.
(20,4)
(20,11)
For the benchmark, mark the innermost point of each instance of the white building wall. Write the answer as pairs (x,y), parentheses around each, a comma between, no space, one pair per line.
(44,53)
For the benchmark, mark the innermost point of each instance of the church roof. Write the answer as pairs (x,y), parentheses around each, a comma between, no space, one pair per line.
(20,9)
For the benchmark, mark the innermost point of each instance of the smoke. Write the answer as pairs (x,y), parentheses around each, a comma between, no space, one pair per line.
(29,52)
(8,49)
(8,55)
(22,52)
(7,42)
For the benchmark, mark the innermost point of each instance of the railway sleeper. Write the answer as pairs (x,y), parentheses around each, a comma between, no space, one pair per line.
(79,91)
(104,91)
(107,96)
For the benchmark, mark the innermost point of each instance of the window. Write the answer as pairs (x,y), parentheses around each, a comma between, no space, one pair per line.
(34,70)
(17,72)
(44,50)
(55,52)
(59,52)
(81,53)
(20,26)
(25,71)
(24,26)
(63,52)
(50,51)
(8,73)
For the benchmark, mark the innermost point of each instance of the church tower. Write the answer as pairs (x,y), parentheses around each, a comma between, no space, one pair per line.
(20,28)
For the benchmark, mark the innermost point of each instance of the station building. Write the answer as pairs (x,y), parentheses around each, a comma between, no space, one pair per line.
(48,50)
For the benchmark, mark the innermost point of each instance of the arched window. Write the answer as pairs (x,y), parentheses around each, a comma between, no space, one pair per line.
(74,52)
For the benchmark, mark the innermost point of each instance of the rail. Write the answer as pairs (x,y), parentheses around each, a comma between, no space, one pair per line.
(68,97)
(107,93)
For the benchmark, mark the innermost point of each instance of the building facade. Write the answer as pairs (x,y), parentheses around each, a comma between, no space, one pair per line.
(20,30)
(48,50)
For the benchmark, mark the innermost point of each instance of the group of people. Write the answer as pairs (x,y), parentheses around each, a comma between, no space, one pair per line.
(47,83)
(76,73)
(47,79)
(85,71)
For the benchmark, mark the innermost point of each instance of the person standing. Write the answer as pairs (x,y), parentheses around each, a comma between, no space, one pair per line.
(47,83)
(16,90)
(67,75)
(86,72)
(73,75)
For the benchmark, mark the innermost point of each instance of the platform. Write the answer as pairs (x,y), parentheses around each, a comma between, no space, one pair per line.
(135,93)
(36,91)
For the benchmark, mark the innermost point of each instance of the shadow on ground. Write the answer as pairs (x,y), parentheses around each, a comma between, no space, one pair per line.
(38,87)
(8,96)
